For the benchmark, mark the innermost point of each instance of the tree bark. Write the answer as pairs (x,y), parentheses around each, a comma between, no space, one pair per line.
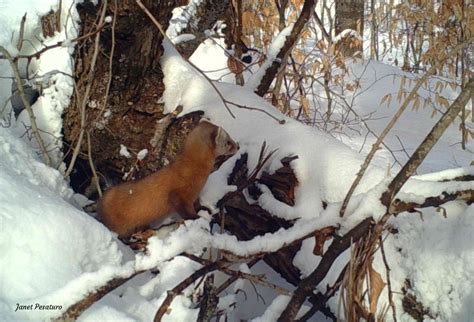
(133,79)
(349,15)
(207,14)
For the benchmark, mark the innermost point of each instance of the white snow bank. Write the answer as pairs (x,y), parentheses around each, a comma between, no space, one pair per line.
(50,251)
(52,72)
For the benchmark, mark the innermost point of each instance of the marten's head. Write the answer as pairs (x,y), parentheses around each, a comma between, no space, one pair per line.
(219,139)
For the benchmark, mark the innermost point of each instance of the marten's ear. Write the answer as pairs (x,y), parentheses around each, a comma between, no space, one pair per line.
(215,135)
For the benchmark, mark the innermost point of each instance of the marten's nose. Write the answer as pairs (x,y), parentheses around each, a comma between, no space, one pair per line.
(238,146)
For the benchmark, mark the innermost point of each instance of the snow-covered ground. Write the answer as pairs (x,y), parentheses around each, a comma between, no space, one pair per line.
(53,253)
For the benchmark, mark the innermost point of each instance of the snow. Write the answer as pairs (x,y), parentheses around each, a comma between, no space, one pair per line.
(53,253)
(180,20)
(52,71)
(124,152)
(441,270)
(272,53)
(142,154)
(274,310)
(346,33)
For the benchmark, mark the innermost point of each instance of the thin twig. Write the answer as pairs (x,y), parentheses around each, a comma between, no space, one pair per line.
(425,147)
(257,279)
(181,287)
(58,16)
(58,44)
(31,114)
(22,32)
(85,98)
(234,278)
(280,121)
(112,51)
(389,284)
(393,121)
(91,164)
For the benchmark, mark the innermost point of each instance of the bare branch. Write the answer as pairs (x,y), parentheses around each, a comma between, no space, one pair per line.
(307,285)
(257,279)
(399,206)
(270,73)
(389,282)
(27,105)
(74,311)
(85,98)
(425,147)
(393,121)
(22,32)
(38,53)
(95,178)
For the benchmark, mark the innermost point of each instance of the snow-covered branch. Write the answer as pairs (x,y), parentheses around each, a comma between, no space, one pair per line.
(283,50)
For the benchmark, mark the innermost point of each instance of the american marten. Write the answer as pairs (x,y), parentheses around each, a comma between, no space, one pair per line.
(136,204)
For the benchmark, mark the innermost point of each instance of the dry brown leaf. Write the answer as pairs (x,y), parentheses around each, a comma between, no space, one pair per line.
(234,65)
(320,238)
(443,101)
(305,105)
(376,286)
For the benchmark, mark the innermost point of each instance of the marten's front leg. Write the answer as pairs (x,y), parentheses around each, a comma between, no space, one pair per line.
(183,207)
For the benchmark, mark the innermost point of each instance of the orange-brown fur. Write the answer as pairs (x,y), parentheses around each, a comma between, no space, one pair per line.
(135,204)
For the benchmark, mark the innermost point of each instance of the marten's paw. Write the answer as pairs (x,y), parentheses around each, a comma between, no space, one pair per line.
(139,240)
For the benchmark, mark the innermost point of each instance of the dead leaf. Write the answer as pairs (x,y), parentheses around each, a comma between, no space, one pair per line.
(235,66)
(376,286)
(320,238)
(305,105)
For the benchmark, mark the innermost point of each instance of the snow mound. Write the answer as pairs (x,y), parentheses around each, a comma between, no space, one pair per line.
(45,243)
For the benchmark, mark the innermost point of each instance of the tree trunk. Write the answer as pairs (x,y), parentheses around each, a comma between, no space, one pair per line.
(129,113)
(207,14)
(350,15)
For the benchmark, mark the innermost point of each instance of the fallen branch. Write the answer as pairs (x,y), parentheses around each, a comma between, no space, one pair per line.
(308,284)
(74,311)
(399,206)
